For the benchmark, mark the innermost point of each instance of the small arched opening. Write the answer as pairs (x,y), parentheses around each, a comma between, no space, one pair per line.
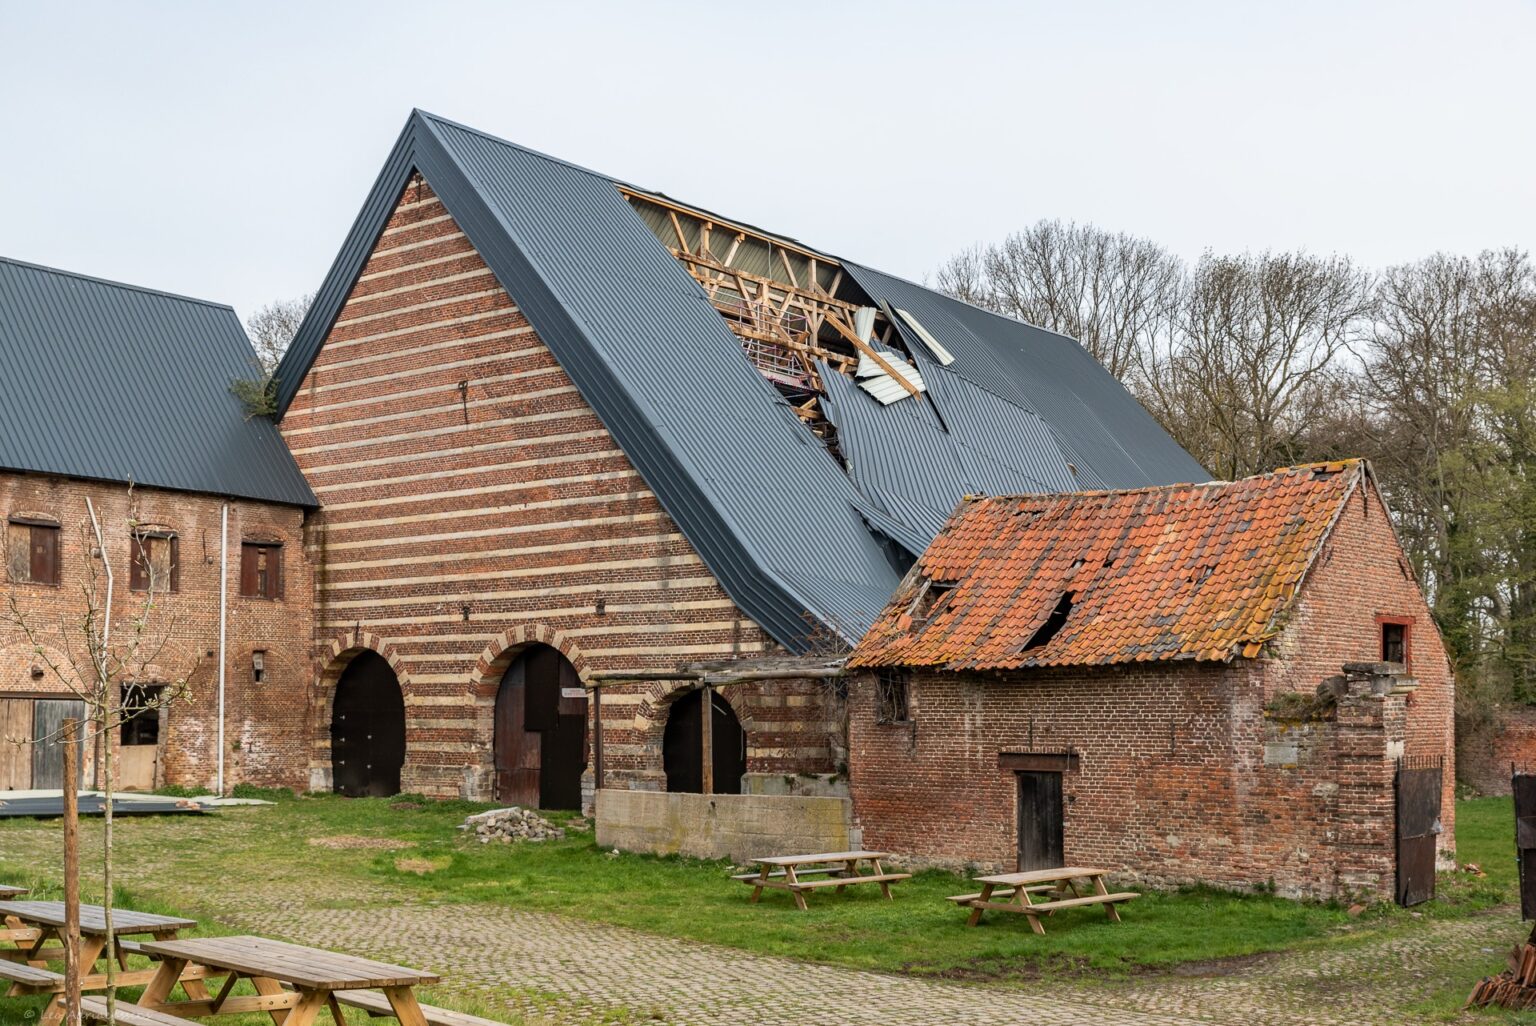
(682,745)
(540,741)
(367,729)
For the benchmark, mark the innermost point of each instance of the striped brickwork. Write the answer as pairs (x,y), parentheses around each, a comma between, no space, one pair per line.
(473,503)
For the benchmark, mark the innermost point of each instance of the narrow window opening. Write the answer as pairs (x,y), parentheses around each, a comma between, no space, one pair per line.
(892,694)
(1053,623)
(1394,643)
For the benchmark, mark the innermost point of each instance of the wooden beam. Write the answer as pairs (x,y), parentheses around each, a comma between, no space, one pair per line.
(707,738)
(880,361)
(700,215)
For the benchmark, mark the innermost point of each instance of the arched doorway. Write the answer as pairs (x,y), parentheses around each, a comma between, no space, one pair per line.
(540,745)
(367,729)
(682,746)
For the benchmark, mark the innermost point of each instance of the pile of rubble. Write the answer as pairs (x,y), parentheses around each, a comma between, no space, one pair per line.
(511,824)
(1513,988)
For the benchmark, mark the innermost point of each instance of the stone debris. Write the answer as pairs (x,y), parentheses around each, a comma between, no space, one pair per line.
(511,824)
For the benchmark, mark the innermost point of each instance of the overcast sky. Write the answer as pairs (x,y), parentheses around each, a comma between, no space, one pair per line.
(222,150)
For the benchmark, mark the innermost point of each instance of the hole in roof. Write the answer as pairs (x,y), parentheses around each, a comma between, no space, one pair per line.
(1053,623)
(933,599)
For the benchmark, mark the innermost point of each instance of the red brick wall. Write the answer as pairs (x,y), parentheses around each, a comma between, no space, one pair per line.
(266,731)
(1486,752)
(460,524)
(1360,576)
(1176,781)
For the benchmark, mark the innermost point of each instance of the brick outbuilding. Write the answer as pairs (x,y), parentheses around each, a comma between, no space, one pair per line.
(1219,682)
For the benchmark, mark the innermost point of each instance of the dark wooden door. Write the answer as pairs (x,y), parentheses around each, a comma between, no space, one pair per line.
(682,746)
(367,729)
(48,716)
(1041,827)
(1419,783)
(517,750)
(1523,787)
(563,756)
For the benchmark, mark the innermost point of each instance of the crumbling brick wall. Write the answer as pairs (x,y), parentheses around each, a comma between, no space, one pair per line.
(1180,776)
(1485,752)
(266,735)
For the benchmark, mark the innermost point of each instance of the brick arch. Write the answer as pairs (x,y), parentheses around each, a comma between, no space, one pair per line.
(506,646)
(651,713)
(334,659)
(17,662)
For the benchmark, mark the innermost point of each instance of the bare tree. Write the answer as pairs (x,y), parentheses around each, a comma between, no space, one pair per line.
(1115,293)
(100,658)
(1257,336)
(273,326)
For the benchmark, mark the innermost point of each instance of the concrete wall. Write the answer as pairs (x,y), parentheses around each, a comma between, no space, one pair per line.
(713,826)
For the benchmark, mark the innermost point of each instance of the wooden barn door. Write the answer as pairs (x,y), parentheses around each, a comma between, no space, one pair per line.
(15,752)
(48,716)
(1419,787)
(1041,827)
(516,749)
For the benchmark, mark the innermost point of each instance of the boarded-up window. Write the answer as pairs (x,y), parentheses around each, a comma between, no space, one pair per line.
(156,562)
(32,552)
(261,570)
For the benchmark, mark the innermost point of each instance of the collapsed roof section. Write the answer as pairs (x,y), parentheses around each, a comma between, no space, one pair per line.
(807,423)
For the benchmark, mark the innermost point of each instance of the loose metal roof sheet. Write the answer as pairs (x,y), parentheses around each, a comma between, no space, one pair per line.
(1203,571)
(117,383)
(799,544)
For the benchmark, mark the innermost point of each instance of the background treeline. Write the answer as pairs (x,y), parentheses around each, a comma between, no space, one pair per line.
(1260,360)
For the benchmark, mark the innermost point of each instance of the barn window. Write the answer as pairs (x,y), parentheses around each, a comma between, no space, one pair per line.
(32,551)
(892,692)
(141,714)
(261,570)
(155,563)
(1394,642)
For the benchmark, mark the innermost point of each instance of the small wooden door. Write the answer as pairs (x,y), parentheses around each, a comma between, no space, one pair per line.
(15,747)
(48,716)
(1041,827)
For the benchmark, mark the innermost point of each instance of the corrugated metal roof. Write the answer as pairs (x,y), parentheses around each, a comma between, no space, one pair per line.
(119,383)
(773,515)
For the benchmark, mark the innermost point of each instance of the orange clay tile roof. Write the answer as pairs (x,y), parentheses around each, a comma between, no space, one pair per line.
(1197,571)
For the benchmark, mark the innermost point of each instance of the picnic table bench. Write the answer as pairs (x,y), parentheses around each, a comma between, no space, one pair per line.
(32,925)
(293,983)
(7,892)
(839,868)
(1019,888)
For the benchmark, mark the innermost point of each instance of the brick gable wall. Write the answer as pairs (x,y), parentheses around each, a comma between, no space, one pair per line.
(266,729)
(472,502)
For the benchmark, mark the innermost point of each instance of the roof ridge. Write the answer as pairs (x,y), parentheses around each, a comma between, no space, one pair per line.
(1336,466)
(114,283)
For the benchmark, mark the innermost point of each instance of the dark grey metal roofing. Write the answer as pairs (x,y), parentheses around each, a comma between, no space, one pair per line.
(118,383)
(773,515)
(1105,433)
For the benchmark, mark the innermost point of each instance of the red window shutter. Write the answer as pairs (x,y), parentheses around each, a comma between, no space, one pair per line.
(175,544)
(275,571)
(138,580)
(45,555)
(248,554)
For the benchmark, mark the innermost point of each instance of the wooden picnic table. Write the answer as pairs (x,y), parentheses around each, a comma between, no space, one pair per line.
(35,932)
(7,892)
(315,975)
(837,868)
(1019,889)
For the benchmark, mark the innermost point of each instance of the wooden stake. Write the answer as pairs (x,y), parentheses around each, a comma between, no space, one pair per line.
(70,741)
(706,732)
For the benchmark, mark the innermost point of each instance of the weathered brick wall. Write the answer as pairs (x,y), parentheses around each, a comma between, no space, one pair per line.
(1172,783)
(1486,752)
(1362,575)
(266,730)
(473,503)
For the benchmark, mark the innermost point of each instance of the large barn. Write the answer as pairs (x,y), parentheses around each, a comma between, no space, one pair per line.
(566,431)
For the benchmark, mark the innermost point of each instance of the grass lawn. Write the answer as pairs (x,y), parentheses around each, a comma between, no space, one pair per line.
(185,864)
